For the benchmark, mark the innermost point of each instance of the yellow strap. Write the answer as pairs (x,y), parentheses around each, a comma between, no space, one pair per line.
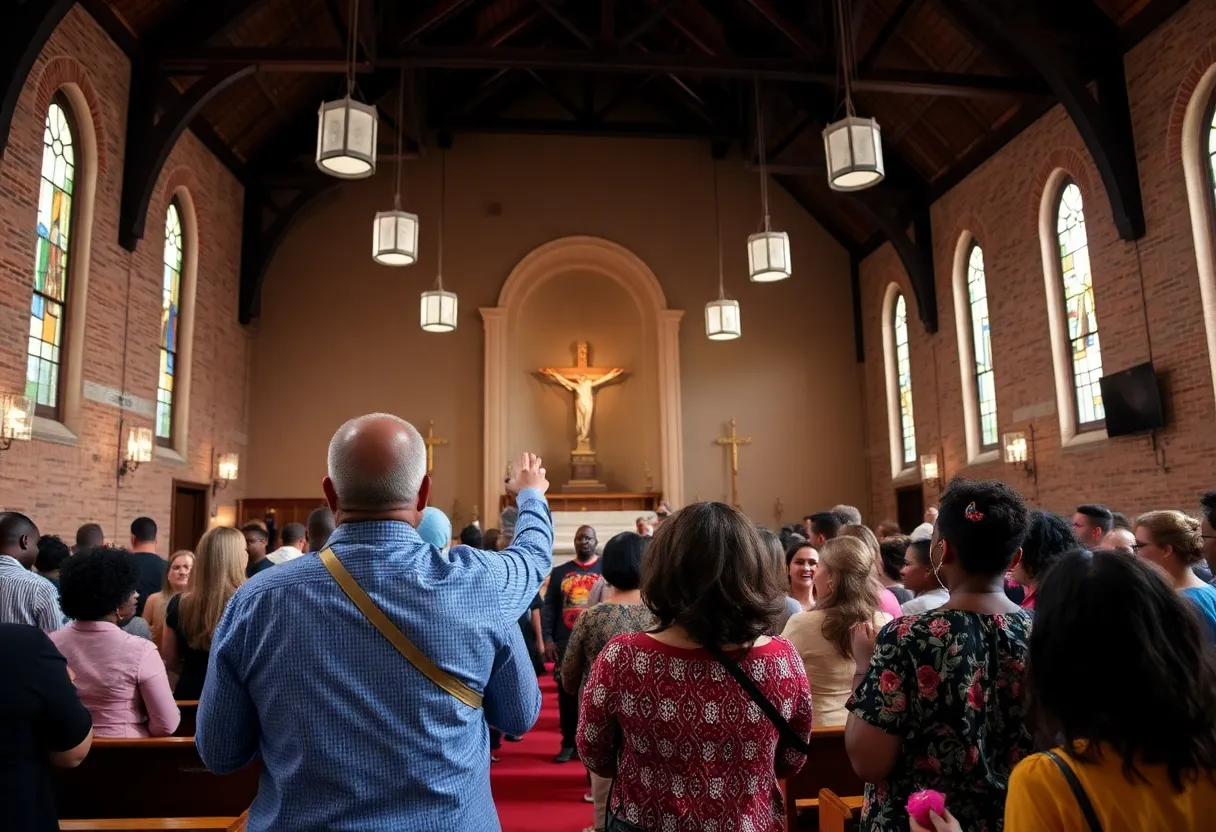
(394,635)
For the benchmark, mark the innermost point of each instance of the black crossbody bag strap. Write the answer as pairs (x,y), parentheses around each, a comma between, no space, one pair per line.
(770,710)
(1078,791)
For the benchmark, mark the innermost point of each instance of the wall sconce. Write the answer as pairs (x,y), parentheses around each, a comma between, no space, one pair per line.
(929,470)
(227,467)
(1019,451)
(139,450)
(16,419)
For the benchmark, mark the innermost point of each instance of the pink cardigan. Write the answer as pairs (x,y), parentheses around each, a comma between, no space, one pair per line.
(120,678)
(889,603)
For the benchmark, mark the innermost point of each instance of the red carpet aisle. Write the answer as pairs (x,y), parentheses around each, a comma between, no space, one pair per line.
(532,793)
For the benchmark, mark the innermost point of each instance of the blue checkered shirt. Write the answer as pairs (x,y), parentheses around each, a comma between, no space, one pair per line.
(352,736)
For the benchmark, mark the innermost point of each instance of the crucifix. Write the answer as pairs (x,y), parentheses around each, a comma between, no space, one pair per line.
(582,380)
(734,441)
(431,441)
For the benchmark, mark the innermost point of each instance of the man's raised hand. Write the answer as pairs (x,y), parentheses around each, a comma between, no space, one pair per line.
(529,473)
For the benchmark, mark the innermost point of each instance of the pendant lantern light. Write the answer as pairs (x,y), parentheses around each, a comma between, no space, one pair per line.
(768,252)
(439,307)
(395,232)
(722,321)
(346,128)
(852,146)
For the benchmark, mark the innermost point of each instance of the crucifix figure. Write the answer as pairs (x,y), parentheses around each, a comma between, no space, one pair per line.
(582,380)
(734,441)
(431,441)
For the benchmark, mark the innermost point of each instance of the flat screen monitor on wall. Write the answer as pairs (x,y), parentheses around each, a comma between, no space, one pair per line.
(1132,399)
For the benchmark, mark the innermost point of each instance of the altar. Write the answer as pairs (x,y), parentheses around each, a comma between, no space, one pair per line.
(638,504)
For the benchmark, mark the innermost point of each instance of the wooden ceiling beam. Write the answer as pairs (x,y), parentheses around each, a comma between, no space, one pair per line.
(660,12)
(791,32)
(891,28)
(588,127)
(432,17)
(199,22)
(907,82)
(1033,31)
(566,23)
(25,32)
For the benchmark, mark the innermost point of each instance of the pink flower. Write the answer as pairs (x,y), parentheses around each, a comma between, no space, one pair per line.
(975,695)
(905,627)
(898,703)
(927,680)
(939,627)
(1016,689)
(973,757)
(888,681)
(929,764)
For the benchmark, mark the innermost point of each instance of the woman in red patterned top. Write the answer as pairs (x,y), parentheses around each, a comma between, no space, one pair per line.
(688,746)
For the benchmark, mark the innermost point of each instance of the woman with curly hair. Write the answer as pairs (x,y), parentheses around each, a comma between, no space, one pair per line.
(120,677)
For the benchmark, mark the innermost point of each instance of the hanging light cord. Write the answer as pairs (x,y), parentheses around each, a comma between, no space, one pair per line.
(760,149)
(400,122)
(443,192)
(843,19)
(351,49)
(718,234)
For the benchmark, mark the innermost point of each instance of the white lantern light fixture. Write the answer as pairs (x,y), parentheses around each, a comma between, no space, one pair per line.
(227,468)
(139,450)
(852,146)
(722,317)
(439,307)
(395,232)
(768,252)
(16,419)
(929,470)
(1018,447)
(346,128)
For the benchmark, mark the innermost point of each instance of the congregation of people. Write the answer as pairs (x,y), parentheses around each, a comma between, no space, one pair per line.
(1041,672)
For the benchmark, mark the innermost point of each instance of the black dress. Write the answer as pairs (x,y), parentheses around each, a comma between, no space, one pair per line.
(194,662)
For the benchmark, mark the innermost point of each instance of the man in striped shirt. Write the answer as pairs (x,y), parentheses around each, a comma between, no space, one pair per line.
(25,598)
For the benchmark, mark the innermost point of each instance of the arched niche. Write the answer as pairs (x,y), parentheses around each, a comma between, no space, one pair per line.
(661,326)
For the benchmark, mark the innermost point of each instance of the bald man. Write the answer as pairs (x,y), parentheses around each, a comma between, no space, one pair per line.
(25,597)
(351,733)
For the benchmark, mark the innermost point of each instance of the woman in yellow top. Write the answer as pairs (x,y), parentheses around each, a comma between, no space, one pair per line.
(1121,670)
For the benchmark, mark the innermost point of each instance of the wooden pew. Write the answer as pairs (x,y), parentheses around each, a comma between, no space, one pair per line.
(158,779)
(836,814)
(189,712)
(827,767)
(219,824)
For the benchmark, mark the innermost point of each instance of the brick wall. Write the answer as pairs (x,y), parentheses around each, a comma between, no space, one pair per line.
(64,485)
(1159,318)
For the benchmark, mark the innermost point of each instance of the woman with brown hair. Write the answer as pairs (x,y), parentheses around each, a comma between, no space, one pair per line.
(177,578)
(191,617)
(847,596)
(1173,542)
(887,599)
(705,678)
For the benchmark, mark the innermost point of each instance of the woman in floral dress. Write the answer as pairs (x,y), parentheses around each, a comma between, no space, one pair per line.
(938,699)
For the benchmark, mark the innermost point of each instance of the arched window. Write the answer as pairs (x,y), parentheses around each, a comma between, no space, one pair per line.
(903,370)
(981,345)
(48,308)
(1084,349)
(1199,171)
(169,325)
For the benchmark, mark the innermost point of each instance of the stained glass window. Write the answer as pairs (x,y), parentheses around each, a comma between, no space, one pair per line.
(51,261)
(171,292)
(1079,307)
(981,340)
(903,370)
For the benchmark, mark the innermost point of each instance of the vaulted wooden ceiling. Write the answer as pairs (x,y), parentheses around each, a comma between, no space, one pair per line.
(950,81)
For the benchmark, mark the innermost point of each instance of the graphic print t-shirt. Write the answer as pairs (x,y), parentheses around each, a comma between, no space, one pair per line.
(569,586)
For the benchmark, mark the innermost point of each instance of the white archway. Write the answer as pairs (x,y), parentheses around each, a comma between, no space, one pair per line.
(1200,199)
(553,259)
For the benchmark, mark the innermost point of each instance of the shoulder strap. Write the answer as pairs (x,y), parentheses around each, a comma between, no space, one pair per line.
(1078,791)
(394,635)
(770,710)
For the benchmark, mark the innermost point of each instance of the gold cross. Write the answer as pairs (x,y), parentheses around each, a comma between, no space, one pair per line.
(431,441)
(734,441)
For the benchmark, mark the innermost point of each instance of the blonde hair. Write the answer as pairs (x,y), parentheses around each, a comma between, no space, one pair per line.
(867,537)
(853,597)
(167,588)
(1177,530)
(219,568)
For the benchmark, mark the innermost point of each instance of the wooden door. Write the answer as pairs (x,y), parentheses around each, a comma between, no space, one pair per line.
(189,516)
(910,507)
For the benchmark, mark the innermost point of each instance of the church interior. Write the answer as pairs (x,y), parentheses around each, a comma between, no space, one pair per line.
(778,254)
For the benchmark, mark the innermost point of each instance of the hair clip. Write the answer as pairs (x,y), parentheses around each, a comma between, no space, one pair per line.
(972,513)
